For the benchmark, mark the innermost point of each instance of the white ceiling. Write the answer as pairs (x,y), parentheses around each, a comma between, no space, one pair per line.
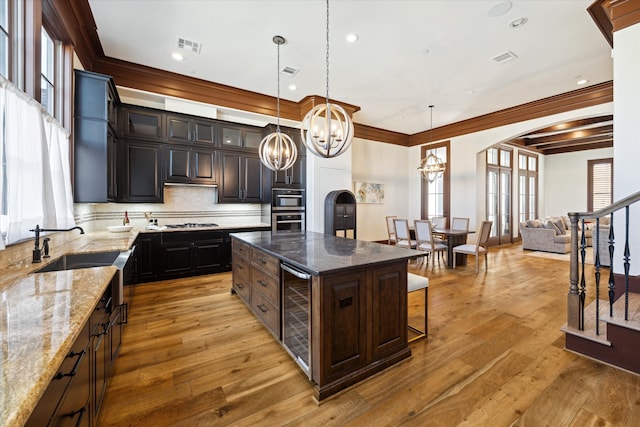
(410,53)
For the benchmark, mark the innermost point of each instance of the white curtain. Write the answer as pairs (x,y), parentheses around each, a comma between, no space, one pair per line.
(37,185)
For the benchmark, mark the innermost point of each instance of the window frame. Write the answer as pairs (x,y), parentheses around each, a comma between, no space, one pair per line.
(527,174)
(446,183)
(590,177)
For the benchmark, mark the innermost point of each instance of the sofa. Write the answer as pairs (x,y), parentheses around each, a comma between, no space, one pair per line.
(545,235)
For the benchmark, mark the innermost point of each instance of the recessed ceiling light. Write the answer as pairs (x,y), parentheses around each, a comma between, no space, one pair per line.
(517,23)
(352,37)
(177,56)
(499,8)
(292,87)
(582,81)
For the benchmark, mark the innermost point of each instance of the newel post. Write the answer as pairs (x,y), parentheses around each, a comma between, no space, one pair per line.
(574,312)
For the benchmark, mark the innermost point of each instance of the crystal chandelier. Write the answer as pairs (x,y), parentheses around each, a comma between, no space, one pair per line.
(277,150)
(431,167)
(327,130)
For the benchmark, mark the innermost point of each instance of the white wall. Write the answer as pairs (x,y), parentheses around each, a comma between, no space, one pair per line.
(386,164)
(566,181)
(626,132)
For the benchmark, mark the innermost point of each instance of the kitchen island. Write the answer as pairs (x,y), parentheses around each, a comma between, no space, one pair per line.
(338,306)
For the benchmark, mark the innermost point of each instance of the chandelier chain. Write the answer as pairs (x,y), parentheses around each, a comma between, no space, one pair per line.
(278,98)
(327,56)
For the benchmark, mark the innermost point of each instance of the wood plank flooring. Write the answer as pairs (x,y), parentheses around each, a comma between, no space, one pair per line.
(193,355)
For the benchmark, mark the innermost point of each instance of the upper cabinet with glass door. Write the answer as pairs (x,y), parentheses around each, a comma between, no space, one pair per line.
(240,136)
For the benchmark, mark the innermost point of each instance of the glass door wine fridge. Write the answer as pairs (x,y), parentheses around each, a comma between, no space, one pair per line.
(296,322)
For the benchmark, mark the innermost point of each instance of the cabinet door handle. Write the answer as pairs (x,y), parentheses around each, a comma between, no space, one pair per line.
(261,283)
(80,411)
(239,286)
(262,308)
(73,371)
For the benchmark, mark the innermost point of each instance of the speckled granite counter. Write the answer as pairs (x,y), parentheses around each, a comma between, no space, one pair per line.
(41,315)
(320,254)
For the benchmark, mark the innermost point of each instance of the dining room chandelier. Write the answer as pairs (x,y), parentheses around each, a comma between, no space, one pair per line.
(431,166)
(327,130)
(277,150)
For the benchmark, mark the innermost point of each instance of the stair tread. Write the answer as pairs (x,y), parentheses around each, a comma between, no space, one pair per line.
(618,312)
(589,331)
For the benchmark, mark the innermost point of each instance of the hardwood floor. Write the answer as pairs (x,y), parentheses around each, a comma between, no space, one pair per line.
(193,355)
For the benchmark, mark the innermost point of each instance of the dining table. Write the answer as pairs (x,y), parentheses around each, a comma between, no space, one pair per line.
(454,238)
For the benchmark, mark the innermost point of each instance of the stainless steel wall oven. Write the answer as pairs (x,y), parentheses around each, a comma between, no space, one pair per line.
(288,210)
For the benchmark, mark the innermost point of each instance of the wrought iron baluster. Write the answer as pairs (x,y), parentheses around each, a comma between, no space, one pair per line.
(611,249)
(627,264)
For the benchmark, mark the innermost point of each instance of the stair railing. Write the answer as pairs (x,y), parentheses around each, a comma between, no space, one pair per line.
(577,278)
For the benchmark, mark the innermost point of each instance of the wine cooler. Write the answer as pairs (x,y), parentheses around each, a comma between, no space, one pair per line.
(296,322)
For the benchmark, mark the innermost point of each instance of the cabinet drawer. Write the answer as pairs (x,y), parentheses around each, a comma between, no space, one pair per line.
(265,262)
(242,288)
(266,312)
(241,248)
(266,284)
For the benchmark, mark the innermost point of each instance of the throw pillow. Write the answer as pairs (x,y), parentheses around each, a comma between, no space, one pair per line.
(535,223)
(559,225)
(551,226)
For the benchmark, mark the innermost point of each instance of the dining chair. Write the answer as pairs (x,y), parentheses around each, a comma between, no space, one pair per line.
(403,235)
(478,249)
(439,222)
(460,224)
(391,229)
(425,240)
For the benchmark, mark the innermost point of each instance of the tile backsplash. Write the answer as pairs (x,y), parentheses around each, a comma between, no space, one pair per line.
(181,204)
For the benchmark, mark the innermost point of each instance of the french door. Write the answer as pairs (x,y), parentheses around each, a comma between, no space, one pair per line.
(499,175)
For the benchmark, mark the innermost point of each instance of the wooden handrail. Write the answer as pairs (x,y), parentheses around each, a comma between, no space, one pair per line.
(629,200)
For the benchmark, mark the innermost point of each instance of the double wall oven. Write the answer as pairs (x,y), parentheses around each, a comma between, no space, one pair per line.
(287,210)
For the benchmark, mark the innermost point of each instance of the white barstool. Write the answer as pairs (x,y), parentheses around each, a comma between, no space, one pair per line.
(415,283)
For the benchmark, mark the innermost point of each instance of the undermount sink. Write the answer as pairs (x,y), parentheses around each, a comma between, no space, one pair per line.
(82,260)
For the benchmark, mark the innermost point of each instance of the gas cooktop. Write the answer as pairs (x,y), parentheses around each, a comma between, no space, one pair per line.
(191,225)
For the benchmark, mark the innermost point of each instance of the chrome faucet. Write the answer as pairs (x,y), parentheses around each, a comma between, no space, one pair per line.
(37,251)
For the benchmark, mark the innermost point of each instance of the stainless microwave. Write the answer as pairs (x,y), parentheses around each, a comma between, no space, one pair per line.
(285,199)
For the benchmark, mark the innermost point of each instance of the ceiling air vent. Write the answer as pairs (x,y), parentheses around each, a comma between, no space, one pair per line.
(189,45)
(505,57)
(289,71)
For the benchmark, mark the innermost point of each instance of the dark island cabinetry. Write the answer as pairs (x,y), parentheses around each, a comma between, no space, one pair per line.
(342,314)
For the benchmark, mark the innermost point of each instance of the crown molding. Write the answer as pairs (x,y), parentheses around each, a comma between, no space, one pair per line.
(79,17)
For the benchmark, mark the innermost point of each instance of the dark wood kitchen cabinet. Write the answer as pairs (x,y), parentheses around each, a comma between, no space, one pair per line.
(186,164)
(94,138)
(74,395)
(142,123)
(186,129)
(296,175)
(240,136)
(243,178)
(189,253)
(340,213)
(146,256)
(142,178)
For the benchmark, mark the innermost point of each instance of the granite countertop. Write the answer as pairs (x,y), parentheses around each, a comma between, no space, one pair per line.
(164,228)
(41,315)
(319,253)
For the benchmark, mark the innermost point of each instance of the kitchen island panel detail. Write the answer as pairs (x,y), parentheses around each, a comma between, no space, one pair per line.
(357,304)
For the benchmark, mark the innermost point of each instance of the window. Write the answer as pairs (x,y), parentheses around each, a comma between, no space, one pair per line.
(600,184)
(48,64)
(4,38)
(435,195)
(527,186)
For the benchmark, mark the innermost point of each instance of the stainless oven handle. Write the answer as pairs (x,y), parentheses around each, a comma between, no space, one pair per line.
(289,196)
(299,274)
(288,221)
